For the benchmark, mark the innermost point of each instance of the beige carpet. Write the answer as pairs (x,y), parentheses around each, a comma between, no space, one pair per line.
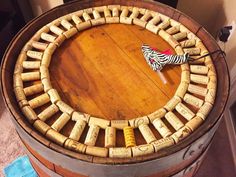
(10,145)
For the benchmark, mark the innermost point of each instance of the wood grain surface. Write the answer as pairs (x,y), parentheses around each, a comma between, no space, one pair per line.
(102,71)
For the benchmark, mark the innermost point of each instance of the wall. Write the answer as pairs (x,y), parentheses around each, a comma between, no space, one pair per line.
(213,15)
(40,6)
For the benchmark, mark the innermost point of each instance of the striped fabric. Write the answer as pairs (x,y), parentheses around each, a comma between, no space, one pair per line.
(157,60)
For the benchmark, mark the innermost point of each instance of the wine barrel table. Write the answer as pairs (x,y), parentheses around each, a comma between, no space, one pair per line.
(85,102)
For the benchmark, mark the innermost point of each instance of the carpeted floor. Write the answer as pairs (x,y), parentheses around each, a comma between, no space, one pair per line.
(10,144)
(218,162)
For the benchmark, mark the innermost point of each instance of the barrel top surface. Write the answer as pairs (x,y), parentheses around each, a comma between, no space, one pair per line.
(102,72)
(99,76)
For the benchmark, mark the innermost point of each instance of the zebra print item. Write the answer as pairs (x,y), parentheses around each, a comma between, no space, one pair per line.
(158,60)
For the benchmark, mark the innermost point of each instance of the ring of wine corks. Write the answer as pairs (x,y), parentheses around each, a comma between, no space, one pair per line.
(197,87)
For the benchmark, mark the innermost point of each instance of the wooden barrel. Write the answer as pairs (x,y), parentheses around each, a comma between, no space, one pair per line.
(86,102)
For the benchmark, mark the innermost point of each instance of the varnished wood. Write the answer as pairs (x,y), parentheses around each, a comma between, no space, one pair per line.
(102,72)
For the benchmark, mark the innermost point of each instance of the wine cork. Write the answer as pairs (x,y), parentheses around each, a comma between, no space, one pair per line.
(173,43)
(61,122)
(46,59)
(181,134)
(204,110)
(20,95)
(139,22)
(174,120)
(192,51)
(44,29)
(188,43)
(142,150)
(92,135)
(147,133)
(56,30)
(80,116)
(77,130)
(97,151)
(199,69)
(54,96)
(126,20)
(96,14)
(23,103)
(210,96)
(124,12)
(156,19)
(115,12)
(29,113)
(17,81)
(46,84)
(157,114)
(170,105)
(48,112)
(50,49)
(107,12)
(98,21)
(76,19)
(172,30)
(199,79)
(134,13)
(129,137)
(152,28)
(67,25)
(164,35)
(83,26)
(212,84)
(39,45)
(56,137)
(179,50)
(59,40)
(163,143)
(201,46)
(185,76)
(86,16)
(161,128)
(48,37)
(197,90)
(39,101)
(194,123)
(185,67)
(184,111)
(102,123)
(120,152)
(112,20)
(138,121)
(164,24)
(179,36)
(31,64)
(18,66)
(71,32)
(30,76)
(41,126)
(44,73)
(192,100)
(34,54)
(64,107)
(110,137)
(182,89)
(33,89)
(146,16)
(119,124)
(27,46)
(75,146)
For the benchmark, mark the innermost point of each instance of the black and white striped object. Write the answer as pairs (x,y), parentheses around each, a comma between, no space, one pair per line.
(157,60)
